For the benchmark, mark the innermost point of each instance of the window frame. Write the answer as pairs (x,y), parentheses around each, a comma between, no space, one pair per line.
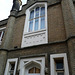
(41,4)
(52,63)
(1,37)
(8,65)
(25,62)
(34,19)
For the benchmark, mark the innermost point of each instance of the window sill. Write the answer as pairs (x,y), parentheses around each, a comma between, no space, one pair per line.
(30,33)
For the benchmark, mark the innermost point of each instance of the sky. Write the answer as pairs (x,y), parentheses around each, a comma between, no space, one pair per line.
(5,7)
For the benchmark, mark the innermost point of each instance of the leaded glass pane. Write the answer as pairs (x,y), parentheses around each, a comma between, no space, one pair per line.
(31,26)
(42,11)
(31,70)
(34,70)
(42,22)
(36,24)
(37,12)
(32,14)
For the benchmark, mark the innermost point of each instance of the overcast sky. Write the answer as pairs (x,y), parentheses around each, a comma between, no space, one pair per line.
(5,7)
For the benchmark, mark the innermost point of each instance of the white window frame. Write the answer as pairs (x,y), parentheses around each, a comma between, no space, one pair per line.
(25,62)
(52,63)
(34,34)
(39,19)
(2,29)
(26,27)
(7,65)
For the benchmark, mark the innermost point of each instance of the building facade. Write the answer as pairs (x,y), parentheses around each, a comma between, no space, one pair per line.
(39,39)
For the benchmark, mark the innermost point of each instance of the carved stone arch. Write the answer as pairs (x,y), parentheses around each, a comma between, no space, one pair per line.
(27,64)
(32,62)
(32,65)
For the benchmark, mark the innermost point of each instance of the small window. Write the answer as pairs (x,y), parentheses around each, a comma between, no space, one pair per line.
(11,67)
(2,31)
(1,35)
(34,70)
(59,66)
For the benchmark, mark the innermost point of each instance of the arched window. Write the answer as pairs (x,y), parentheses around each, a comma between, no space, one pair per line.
(32,66)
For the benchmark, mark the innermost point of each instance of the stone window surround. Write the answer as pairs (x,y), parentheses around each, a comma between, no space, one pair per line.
(27,61)
(28,35)
(7,65)
(52,62)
